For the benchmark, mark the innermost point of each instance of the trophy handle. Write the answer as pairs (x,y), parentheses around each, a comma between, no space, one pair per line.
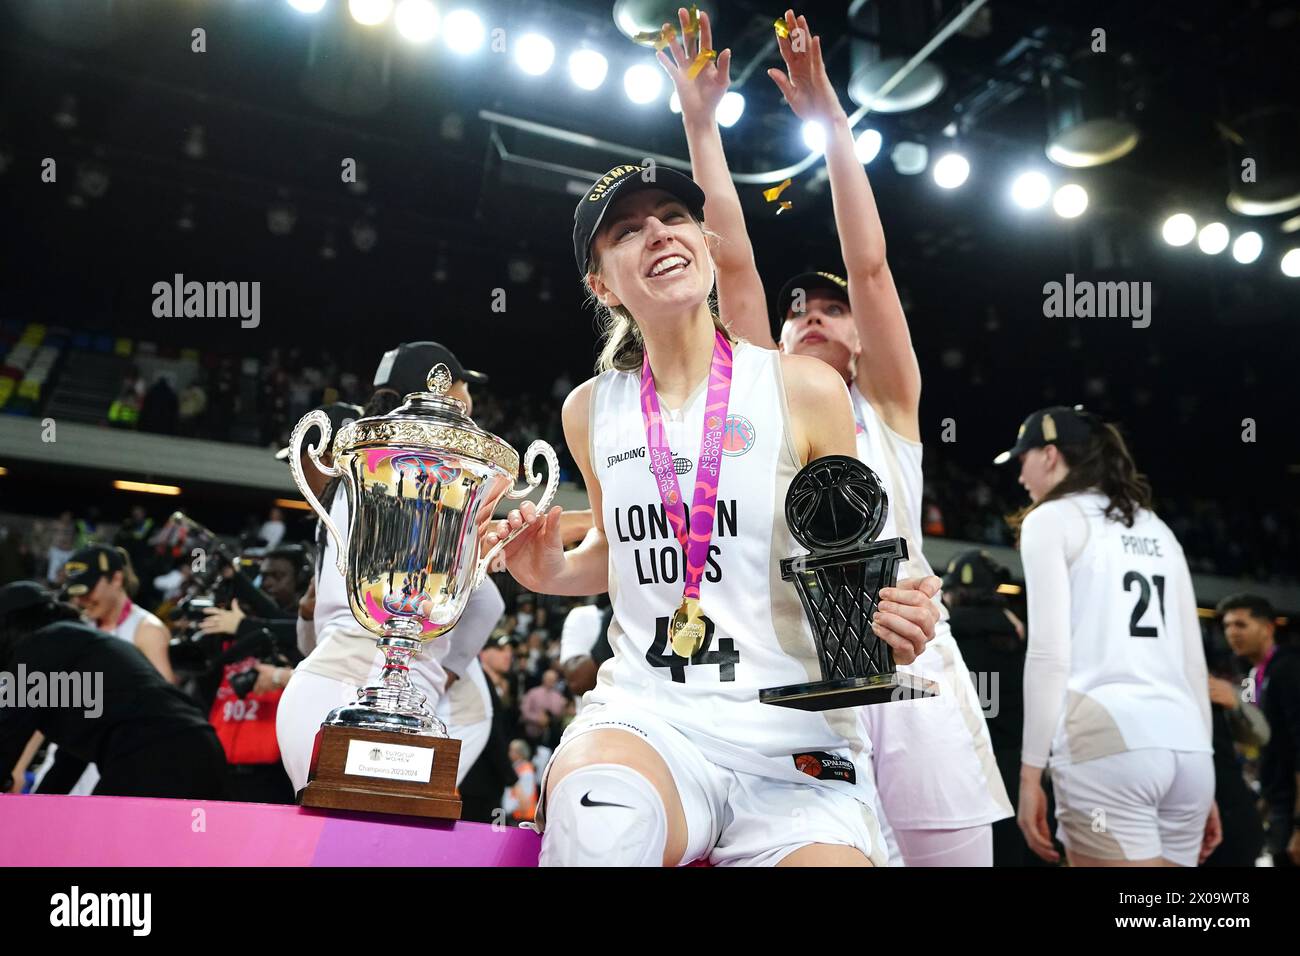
(317,419)
(535,450)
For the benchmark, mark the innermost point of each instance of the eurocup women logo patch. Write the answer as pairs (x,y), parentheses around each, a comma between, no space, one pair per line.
(738,436)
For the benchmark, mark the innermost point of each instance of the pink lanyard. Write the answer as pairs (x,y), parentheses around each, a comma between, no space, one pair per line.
(687,628)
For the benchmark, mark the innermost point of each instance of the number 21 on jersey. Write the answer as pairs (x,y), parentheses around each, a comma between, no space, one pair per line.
(1135,579)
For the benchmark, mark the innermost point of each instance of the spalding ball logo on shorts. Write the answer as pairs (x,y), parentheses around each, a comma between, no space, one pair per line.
(738,436)
(807,763)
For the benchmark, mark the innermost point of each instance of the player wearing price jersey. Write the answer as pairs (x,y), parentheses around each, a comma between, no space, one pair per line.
(673,759)
(1115,679)
(939,785)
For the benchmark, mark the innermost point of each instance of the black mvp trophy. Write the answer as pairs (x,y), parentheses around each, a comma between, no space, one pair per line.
(836,507)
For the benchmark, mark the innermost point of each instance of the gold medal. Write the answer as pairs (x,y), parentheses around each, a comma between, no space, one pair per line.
(686,629)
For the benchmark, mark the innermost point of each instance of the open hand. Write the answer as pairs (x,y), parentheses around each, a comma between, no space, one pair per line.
(804,84)
(699,96)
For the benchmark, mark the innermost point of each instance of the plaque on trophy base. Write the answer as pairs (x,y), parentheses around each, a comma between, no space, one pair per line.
(383,772)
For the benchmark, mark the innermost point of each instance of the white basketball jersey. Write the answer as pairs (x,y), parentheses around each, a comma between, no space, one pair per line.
(933,756)
(756,633)
(897,461)
(1130,608)
(135,614)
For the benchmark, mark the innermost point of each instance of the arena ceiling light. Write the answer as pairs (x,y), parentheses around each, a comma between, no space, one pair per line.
(1213,238)
(417,20)
(867,145)
(149,488)
(814,136)
(951,170)
(909,158)
(1070,201)
(1291,263)
(307,6)
(643,83)
(464,31)
(1031,190)
(292,504)
(1247,247)
(639,20)
(534,54)
(730,109)
(728,113)
(1089,105)
(1179,229)
(587,69)
(370,13)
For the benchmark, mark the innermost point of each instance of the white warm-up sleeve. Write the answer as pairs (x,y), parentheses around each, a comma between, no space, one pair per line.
(1051,536)
(482,614)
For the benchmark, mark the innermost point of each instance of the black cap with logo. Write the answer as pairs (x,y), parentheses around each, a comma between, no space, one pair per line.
(809,282)
(405,369)
(623,181)
(340,413)
(82,571)
(1057,425)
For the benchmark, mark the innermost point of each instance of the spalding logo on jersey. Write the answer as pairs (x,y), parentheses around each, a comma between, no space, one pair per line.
(826,766)
(738,436)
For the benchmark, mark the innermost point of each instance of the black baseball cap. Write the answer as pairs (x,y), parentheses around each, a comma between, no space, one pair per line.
(340,413)
(976,569)
(20,595)
(623,181)
(82,571)
(499,639)
(1057,425)
(808,282)
(406,368)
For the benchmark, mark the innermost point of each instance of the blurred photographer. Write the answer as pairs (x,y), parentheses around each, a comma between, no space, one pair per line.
(256,659)
(146,737)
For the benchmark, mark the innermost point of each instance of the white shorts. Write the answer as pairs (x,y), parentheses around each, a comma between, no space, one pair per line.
(933,758)
(1137,805)
(735,818)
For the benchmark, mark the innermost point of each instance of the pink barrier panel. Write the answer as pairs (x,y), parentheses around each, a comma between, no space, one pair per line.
(38,830)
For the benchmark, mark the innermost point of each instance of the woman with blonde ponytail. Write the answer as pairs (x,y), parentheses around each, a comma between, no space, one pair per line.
(1116,688)
(688,439)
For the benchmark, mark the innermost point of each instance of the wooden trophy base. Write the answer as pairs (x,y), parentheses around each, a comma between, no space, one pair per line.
(377,771)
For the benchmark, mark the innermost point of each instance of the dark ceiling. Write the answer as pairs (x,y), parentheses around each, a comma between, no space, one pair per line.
(282,99)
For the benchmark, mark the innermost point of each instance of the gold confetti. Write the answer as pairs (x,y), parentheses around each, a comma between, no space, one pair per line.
(781,29)
(656,38)
(693,23)
(700,62)
(785,204)
(771,195)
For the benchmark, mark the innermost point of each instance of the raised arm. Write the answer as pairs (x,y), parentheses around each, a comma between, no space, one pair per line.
(742,304)
(887,371)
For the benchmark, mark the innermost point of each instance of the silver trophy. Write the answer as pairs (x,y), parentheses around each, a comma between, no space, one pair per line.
(421,482)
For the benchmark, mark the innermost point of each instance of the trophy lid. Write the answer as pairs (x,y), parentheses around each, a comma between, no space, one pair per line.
(431,420)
